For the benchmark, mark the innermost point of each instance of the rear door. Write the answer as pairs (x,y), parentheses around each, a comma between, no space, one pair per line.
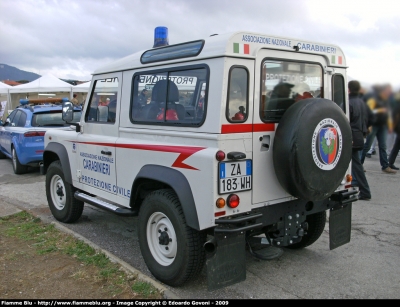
(281,79)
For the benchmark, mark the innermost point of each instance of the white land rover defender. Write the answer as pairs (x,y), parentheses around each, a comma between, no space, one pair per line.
(233,143)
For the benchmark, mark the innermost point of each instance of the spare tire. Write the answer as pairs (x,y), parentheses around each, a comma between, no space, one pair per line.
(312,148)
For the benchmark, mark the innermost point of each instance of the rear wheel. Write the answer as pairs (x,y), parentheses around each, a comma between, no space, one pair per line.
(60,195)
(316,225)
(17,166)
(173,252)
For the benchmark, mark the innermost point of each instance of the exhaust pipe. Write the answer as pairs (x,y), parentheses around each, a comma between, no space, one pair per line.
(210,246)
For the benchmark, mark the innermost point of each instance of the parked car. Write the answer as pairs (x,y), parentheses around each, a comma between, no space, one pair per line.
(22,133)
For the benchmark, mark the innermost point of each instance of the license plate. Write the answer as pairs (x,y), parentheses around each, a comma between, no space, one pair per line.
(235,176)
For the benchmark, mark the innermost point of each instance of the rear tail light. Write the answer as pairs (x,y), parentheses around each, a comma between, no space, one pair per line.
(220,203)
(233,200)
(220,155)
(34,133)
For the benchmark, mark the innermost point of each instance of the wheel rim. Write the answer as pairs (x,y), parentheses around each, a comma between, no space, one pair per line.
(161,238)
(57,191)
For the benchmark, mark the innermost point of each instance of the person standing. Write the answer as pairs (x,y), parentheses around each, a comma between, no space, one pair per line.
(359,122)
(75,100)
(396,130)
(382,123)
(143,97)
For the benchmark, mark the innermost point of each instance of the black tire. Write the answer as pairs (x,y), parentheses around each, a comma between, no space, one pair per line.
(17,166)
(60,195)
(177,261)
(316,225)
(299,145)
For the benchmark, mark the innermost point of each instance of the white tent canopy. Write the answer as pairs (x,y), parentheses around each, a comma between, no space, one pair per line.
(4,99)
(4,87)
(81,88)
(45,86)
(46,83)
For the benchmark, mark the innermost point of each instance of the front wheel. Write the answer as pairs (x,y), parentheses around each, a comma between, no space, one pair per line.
(316,225)
(173,252)
(17,166)
(60,195)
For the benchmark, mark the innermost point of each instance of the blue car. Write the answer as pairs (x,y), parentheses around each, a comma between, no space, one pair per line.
(22,133)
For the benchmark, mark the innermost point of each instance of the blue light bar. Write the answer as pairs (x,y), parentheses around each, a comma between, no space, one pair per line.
(23,102)
(160,37)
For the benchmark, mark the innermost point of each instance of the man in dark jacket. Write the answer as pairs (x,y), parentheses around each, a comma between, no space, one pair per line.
(382,123)
(396,129)
(359,122)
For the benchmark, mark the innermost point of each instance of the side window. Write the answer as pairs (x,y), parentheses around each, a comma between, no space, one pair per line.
(338,91)
(22,120)
(103,101)
(170,97)
(284,83)
(237,102)
(15,120)
(11,117)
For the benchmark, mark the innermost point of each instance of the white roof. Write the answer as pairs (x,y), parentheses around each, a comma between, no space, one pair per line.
(233,44)
(81,88)
(4,87)
(46,83)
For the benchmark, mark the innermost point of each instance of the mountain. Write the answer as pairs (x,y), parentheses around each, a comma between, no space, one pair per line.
(8,72)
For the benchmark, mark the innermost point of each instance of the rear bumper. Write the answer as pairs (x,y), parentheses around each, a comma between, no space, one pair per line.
(30,154)
(269,215)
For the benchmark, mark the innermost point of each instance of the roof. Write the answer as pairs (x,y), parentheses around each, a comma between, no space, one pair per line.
(11,82)
(239,44)
(4,87)
(81,88)
(45,83)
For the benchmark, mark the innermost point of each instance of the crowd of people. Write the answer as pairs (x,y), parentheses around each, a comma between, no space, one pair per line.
(374,120)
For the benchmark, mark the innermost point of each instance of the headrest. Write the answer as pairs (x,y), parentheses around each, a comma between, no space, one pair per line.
(159,91)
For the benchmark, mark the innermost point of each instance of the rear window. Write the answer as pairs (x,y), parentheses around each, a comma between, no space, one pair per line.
(52,119)
(286,82)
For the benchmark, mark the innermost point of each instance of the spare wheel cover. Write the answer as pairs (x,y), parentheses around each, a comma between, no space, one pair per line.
(312,148)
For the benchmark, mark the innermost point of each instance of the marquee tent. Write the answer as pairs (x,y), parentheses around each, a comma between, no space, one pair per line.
(81,88)
(45,86)
(4,98)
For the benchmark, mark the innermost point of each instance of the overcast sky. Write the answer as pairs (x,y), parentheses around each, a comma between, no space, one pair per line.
(72,38)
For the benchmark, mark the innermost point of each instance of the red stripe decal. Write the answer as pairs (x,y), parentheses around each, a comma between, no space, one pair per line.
(263,127)
(184,152)
(243,128)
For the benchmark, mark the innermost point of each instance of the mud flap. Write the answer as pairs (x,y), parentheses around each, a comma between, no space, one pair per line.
(227,265)
(339,226)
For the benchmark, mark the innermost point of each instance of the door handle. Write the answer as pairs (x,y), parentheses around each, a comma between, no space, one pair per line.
(265,142)
(108,153)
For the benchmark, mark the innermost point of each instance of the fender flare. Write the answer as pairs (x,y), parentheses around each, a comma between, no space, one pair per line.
(61,152)
(178,182)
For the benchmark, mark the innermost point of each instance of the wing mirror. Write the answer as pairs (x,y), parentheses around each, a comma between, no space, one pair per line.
(68,114)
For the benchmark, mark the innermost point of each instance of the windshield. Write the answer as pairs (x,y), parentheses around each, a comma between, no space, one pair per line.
(52,119)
